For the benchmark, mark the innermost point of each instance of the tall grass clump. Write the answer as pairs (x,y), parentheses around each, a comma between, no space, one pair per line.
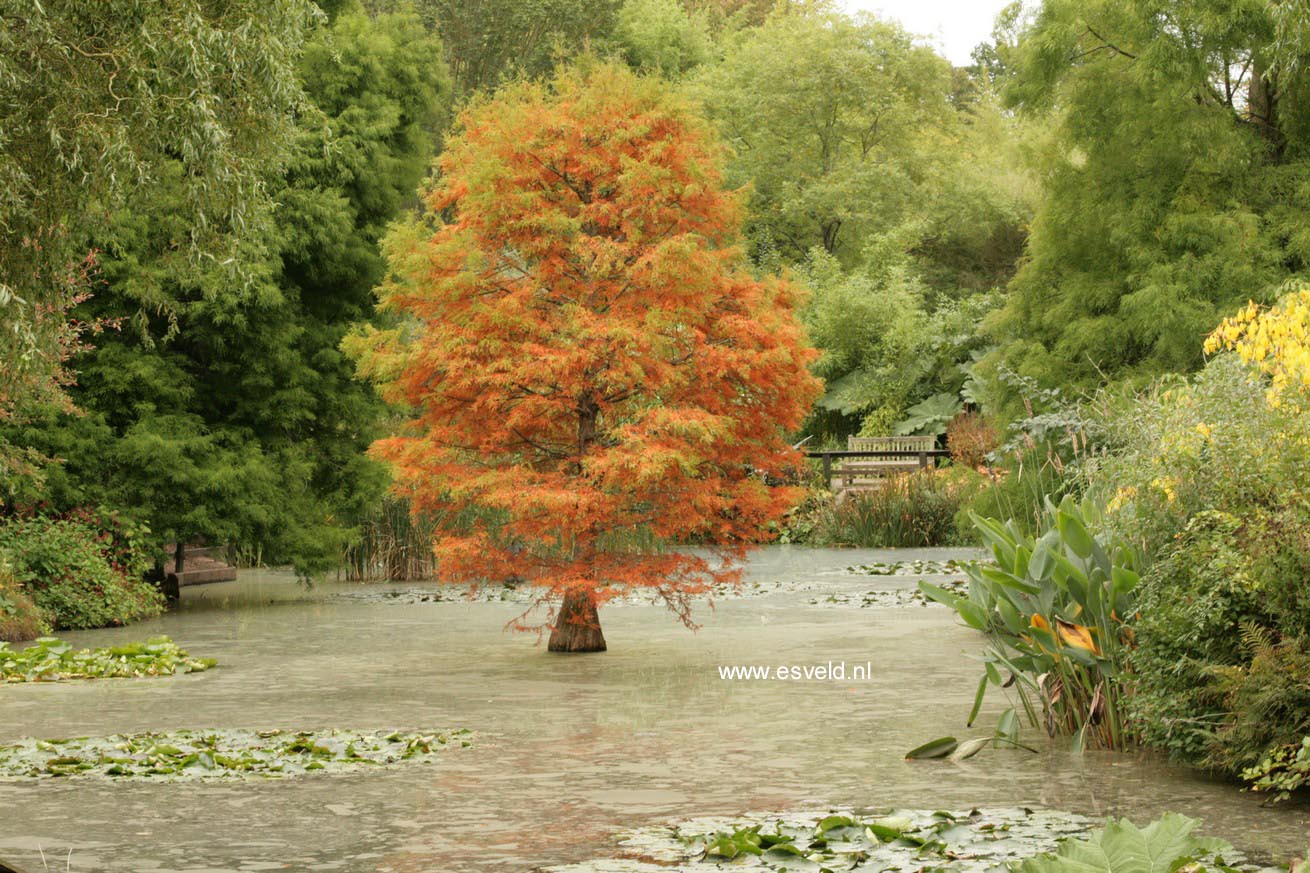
(911,510)
(392,544)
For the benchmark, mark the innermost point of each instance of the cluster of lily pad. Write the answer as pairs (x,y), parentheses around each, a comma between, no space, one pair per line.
(950,567)
(974,841)
(824,595)
(917,841)
(49,659)
(888,598)
(191,755)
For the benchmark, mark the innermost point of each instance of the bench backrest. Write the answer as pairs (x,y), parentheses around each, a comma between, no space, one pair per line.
(909,444)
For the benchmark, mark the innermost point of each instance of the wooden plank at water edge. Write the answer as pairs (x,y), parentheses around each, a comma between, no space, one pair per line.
(198,567)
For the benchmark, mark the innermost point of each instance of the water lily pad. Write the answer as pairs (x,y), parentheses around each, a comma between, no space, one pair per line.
(52,660)
(189,755)
(950,567)
(972,841)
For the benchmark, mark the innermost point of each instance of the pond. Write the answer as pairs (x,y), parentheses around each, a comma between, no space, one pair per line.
(568,751)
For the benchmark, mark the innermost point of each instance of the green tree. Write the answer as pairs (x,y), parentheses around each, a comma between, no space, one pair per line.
(897,186)
(871,326)
(487,41)
(661,36)
(99,99)
(835,122)
(1176,183)
(230,412)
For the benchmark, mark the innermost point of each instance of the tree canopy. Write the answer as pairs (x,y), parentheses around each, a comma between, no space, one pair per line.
(1175,184)
(832,120)
(593,373)
(229,412)
(100,101)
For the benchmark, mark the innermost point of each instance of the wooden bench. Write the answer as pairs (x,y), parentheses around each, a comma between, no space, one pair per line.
(913,450)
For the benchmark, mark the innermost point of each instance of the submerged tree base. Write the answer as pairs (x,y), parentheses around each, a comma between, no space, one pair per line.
(577,627)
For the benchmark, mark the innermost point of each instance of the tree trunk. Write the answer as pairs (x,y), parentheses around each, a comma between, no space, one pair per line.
(1262,108)
(577,626)
(166,583)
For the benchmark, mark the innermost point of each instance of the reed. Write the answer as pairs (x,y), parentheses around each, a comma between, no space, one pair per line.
(392,545)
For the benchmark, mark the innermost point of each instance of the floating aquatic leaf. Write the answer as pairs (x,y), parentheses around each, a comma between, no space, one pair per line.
(182,755)
(938,748)
(1164,846)
(50,660)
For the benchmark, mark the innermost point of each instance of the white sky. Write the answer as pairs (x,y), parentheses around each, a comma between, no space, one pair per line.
(953,26)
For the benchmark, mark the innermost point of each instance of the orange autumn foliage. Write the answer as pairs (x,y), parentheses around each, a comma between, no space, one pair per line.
(592,371)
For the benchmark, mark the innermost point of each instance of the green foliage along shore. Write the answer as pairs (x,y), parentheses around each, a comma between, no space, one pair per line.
(79,571)
(224,409)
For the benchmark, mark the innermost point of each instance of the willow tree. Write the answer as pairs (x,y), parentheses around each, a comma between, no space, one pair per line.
(593,375)
(227,411)
(1176,181)
(100,99)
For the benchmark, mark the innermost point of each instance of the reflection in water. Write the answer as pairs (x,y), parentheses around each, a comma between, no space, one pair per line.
(570,749)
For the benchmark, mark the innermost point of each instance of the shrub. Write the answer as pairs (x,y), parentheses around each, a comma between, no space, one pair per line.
(79,573)
(20,619)
(1284,769)
(1192,606)
(909,510)
(1054,608)
(1269,700)
(1208,478)
(800,523)
(1186,446)
(970,439)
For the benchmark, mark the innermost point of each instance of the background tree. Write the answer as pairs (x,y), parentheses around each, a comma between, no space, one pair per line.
(99,99)
(230,412)
(489,41)
(895,183)
(592,372)
(832,120)
(661,36)
(1175,184)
